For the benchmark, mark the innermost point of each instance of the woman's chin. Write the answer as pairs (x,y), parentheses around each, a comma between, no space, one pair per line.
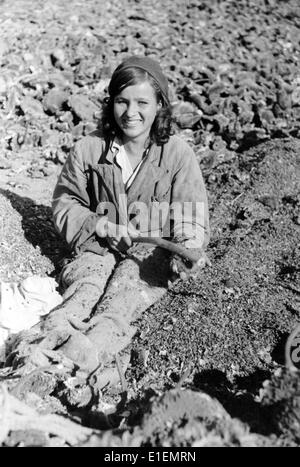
(132,132)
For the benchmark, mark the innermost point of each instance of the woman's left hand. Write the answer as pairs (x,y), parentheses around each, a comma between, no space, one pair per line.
(118,236)
(184,269)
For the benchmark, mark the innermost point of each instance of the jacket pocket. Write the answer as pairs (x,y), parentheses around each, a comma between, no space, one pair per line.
(162,188)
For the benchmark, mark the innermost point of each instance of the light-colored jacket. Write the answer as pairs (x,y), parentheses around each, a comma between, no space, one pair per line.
(167,197)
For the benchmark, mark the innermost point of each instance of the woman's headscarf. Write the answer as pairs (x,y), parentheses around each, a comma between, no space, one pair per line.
(150,66)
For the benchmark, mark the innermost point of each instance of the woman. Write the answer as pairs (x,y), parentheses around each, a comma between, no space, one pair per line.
(131,178)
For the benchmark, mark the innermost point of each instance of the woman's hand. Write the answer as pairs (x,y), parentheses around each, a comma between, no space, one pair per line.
(118,236)
(184,269)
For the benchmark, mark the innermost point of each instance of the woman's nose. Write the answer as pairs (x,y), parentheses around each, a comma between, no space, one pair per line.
(131,109)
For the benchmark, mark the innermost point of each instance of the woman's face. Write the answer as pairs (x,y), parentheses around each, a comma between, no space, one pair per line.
(135,109)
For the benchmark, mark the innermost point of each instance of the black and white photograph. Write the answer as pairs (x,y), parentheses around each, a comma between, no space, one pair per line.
(150,226)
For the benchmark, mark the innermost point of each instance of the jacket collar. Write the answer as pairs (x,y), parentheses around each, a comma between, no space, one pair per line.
(114,147)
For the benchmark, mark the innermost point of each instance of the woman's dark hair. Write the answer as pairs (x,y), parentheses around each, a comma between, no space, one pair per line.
(162,126)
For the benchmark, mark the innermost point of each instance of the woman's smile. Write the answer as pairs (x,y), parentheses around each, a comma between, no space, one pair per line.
(131,122)
(135,109)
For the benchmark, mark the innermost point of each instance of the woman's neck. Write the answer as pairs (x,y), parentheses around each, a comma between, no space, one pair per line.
(136,147)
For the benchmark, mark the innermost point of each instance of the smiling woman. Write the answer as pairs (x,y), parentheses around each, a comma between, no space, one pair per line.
(135,110)
(131,178)
(144,72)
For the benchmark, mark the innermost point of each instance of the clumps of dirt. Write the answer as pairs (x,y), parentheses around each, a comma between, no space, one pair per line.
(234,81)
(239,79)
(185,417)
(232,67)
(281,395)
(39,383)
(232,317)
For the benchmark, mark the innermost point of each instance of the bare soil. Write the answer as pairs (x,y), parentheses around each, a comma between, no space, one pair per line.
(207,364)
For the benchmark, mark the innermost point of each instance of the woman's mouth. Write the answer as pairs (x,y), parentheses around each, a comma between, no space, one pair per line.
(131,123)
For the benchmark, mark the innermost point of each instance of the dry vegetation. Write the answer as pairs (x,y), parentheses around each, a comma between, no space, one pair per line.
(207,364)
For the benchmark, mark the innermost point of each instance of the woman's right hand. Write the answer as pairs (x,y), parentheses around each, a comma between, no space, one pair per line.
(118,236)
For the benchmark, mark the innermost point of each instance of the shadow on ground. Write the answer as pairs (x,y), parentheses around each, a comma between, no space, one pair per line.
(38,227)
(238,398)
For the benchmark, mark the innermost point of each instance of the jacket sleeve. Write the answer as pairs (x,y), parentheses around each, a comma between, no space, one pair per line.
(189,206)
(71,203)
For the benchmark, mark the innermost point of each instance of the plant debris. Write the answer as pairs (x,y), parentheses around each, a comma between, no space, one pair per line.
(207,363)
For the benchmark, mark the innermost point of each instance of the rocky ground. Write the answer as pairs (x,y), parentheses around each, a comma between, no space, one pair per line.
(207,364)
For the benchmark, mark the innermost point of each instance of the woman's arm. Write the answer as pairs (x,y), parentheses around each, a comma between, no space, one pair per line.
(189,206)
(71,203)
(189,214)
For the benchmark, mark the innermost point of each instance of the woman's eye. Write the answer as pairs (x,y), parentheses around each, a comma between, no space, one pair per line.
(143,102)
(119,100)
